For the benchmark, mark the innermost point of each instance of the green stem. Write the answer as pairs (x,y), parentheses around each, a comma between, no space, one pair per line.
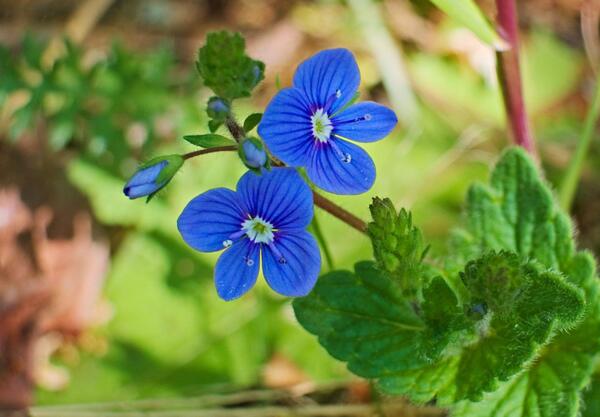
(321,238)
(569,184)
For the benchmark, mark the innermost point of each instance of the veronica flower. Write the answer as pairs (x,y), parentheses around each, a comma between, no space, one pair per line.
(265,217)
(309,125)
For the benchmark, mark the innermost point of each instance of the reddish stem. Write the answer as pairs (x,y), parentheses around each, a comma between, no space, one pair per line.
(337,211)
(509,74)
(210,150)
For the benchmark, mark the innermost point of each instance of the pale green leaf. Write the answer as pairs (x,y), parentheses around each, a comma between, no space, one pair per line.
(467,13)
(252,121)
(209,140)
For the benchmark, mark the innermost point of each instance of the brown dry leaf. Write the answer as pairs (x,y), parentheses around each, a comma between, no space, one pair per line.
(49,291)
(280,372)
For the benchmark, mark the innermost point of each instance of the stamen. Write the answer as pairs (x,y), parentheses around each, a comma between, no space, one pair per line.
(227,243)
(345,157)
(236,235)
(280,258)
(331,99)
(367,117)
(249,261)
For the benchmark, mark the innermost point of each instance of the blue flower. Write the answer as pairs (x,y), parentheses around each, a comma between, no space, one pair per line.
(308,125)
(267,215)
(152,176)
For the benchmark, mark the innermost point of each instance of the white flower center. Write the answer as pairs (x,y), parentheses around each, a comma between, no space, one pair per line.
(258,230)
(321,126)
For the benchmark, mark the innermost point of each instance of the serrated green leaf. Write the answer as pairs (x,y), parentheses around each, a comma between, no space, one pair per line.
(524,303)
(225,67)
(209,140)
(397,245)
(252,121)
(362,318)
(468,13)
(517,212)
(512,301)
(521,311)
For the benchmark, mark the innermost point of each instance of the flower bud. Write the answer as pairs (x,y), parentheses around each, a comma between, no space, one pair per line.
(152,176)
(252,151)
(218,108)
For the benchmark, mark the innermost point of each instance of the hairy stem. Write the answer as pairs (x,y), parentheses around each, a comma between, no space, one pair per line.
(209,150)
(235,129)
(569,184)
(509,75)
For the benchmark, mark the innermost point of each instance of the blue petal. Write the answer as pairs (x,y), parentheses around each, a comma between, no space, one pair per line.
(365,122)
(136,191)
(210,218)
(279,196)
(237,269)
(146,175)
(286,127)
(297,275)
(324,74)
(329,172)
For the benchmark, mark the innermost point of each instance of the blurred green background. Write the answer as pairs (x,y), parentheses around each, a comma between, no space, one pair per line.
(79,115)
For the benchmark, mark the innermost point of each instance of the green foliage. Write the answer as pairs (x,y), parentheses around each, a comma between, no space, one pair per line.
(225,67)
(89,106)
(252,121)
(397,244)
(209,140)
(496,331)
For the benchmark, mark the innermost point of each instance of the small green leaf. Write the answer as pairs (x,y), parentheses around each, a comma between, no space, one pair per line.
(225,67)
(209,140)
(252,121)
(467,12)
(397,244)
(214,125)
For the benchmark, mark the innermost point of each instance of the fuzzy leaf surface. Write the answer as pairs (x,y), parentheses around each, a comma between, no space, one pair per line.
(397,245)
(516,212)
(225,67)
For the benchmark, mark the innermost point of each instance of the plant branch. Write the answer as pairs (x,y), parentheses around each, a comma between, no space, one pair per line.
(509,75)
(210,150)
(235,129)
(337,211)
(569,184)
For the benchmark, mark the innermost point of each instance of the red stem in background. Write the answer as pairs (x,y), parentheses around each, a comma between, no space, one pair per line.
(509,74)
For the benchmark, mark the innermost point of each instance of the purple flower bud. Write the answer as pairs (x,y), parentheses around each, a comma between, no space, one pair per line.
(152,176)
(218,108)
(253,153)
